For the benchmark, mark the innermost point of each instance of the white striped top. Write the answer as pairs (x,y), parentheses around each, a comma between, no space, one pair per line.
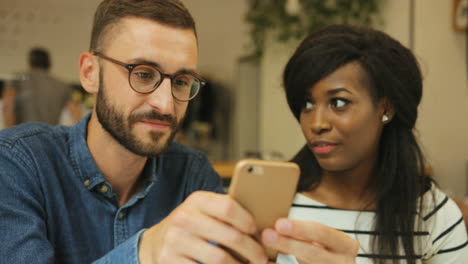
(440,237)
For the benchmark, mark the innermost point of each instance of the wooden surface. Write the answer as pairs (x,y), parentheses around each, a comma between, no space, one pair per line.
(226,168)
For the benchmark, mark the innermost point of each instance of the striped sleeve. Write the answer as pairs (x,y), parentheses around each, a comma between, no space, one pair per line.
(440,234)
(448,242)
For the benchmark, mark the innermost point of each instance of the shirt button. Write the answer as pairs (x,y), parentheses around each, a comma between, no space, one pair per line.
(87,183)
(104,189)
(121,215)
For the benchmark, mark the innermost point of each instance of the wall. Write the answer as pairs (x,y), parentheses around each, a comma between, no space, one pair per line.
(64,27)
(279,130)
(443,120)
(61,26)
(222,36)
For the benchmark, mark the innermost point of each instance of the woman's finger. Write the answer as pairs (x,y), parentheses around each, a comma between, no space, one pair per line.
(302,250)
(332,239)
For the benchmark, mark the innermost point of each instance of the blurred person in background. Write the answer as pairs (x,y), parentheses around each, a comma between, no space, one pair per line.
(36,96)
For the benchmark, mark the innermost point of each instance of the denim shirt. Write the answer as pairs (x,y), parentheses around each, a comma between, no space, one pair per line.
(56,206)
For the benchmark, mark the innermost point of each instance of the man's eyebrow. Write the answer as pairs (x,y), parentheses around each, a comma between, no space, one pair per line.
(157,65)
(338,90)
(144,61)
(188,71)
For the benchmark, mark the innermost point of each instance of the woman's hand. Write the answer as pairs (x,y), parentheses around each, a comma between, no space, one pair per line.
(311,242)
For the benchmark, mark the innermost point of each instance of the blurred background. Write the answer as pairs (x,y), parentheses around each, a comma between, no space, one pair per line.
(243,113)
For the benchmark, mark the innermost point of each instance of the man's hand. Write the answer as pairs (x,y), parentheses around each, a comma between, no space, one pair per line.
(185,235)
(311,242)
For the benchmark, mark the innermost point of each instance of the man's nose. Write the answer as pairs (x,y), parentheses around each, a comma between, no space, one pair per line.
(161,99)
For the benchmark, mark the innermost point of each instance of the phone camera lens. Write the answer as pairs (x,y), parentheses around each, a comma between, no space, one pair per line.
(250,169)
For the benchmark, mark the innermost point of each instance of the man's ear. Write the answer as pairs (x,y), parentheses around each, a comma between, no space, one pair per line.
(89,72)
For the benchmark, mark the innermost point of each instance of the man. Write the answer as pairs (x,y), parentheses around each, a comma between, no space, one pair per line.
(115,188)
(36,96)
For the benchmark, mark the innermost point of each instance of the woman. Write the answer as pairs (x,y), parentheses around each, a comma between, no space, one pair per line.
(355,93)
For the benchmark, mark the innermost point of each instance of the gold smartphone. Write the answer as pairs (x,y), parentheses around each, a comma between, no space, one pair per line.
(266,189)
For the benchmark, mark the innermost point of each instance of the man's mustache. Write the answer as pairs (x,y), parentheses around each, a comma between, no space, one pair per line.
(154,115)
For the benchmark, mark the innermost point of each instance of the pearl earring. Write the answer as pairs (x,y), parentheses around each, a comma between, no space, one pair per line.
(384,118)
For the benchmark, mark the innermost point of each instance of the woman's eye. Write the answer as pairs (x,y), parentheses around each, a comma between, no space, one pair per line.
(308,106)
(339,103)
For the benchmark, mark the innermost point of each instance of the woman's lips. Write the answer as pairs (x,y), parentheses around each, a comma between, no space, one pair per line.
(323,147)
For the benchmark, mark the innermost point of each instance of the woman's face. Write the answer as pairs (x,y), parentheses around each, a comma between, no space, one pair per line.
(341,122)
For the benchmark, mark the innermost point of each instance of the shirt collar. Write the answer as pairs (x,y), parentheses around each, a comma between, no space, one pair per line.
(81,158)
(86,167)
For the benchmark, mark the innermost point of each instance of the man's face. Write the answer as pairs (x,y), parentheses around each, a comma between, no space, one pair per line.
(143,123)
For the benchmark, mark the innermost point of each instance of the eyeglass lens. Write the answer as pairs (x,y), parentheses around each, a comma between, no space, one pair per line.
(145,79)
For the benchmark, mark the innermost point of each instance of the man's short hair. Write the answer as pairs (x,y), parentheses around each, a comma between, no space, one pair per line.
(39,58)
(167,12)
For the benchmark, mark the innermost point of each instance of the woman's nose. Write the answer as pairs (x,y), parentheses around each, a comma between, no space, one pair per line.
(319,120)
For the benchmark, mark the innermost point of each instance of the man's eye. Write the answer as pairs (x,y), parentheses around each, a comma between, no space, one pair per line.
(339,103)
(180,82)
(144,75)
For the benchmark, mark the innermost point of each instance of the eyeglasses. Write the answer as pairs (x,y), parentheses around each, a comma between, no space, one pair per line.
(145,78)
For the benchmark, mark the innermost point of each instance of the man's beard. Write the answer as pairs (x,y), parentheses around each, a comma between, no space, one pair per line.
(120,129)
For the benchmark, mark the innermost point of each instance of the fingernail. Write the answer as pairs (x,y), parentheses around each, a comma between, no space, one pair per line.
(284,225)
(270,236)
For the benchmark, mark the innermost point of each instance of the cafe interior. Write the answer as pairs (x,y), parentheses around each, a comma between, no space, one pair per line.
(242,112)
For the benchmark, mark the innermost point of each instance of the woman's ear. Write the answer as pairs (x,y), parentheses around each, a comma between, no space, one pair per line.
(387,111)
(89,72)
